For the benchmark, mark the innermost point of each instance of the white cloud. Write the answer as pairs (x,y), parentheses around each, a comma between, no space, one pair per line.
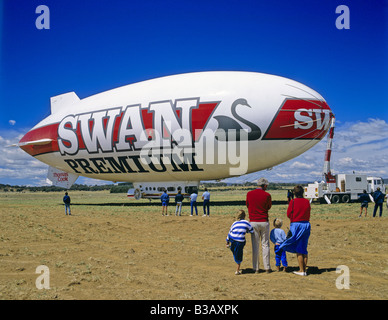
(12,122)
(301,165)
(362,147)
(345,161)
(16,166)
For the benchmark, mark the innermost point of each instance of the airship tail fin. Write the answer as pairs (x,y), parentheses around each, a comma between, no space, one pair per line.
(63,100)
(60,178)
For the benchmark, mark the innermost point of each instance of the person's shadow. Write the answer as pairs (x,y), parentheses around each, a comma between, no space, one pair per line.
(316,270)
(310,270)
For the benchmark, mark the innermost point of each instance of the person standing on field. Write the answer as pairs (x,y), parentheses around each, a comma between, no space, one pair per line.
(236,238)
(193,202)
(364,199)
(297,239)
(206,202)
(278,236)
(66,201)
(178,202)
(165,198)
(259,202)
(378,197)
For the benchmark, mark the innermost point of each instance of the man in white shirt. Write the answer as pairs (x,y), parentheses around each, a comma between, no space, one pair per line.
(193,202)
(206,202)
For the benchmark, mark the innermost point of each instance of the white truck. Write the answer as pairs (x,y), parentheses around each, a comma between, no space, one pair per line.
(346,188)
(341,187)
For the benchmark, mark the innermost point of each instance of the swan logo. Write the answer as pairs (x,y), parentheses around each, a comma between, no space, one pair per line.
(229,129)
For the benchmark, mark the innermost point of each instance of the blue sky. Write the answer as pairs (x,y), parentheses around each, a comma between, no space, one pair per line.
(93,46)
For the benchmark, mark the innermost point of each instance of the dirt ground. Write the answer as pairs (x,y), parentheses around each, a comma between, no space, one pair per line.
(133,252)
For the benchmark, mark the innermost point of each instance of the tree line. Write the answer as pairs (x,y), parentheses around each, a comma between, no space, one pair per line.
(119,188)
(124,186)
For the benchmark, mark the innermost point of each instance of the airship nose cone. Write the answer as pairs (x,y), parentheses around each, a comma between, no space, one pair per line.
(39,140)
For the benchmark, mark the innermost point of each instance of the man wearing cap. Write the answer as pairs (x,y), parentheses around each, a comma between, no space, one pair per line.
(258,203)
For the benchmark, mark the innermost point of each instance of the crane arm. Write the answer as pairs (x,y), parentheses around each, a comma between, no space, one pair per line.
(329,178)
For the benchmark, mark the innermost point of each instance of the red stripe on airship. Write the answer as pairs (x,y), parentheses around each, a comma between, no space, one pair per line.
(300,119)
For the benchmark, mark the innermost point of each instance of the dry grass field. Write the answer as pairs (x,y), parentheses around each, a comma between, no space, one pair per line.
(112,248)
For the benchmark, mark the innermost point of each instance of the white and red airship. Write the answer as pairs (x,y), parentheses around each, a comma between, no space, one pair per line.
(177,130)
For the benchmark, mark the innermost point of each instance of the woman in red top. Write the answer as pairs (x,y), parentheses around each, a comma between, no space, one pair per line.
(299,214)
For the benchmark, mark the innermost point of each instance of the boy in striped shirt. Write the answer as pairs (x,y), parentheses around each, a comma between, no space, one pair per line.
(236,238)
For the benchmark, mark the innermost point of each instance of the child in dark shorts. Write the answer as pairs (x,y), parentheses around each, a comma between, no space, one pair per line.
(364,198)
(236,238)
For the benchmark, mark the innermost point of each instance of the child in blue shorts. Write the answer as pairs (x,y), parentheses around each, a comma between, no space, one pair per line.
(277,236)
(236,238)
(165,198)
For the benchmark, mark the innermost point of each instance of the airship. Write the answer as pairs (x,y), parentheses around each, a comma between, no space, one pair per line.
(175,131)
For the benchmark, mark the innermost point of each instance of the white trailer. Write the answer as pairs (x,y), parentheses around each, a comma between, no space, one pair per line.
(347,188)
(153,190)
